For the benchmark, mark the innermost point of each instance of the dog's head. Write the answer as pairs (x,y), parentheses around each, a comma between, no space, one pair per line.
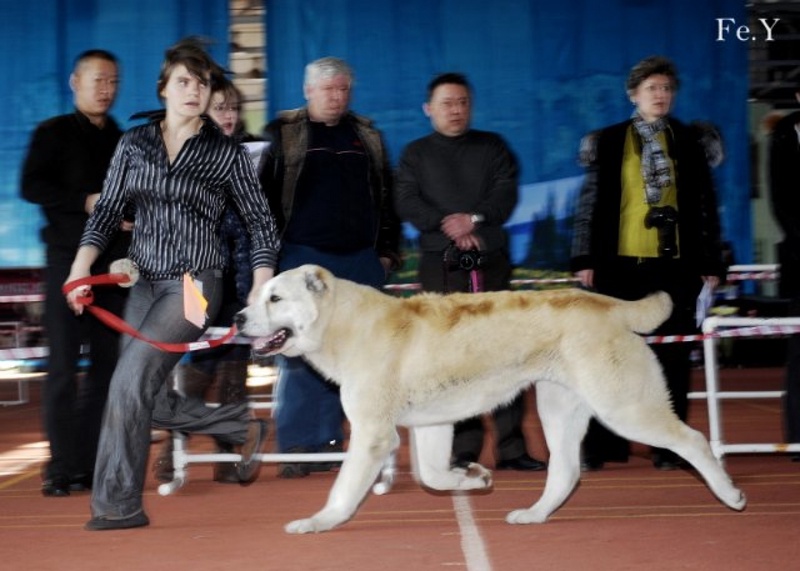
(287,316)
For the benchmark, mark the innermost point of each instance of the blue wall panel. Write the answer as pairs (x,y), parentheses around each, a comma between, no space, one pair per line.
(544,74)
(39,41)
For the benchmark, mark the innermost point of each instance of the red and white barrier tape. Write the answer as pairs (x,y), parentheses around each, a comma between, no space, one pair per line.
(209,339)
(754,331)
(22,298)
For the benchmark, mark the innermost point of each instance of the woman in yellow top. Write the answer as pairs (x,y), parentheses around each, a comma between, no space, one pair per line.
(647,220)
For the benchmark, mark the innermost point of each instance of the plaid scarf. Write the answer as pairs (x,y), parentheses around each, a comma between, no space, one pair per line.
(655,166)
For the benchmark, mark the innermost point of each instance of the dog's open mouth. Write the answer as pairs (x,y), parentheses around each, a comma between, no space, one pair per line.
(264,346)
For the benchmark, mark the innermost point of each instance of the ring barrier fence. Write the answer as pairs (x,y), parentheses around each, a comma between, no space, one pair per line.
(715,328)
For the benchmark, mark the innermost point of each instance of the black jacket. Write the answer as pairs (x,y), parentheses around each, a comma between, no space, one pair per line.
(784,170)
(288,136)
(67,160)
(596,236)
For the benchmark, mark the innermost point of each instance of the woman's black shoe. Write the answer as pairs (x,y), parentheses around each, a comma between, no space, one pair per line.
(591,465)
(522,463)
(81,482)
(464,460)
(101,523)
(666,460)
(55,487)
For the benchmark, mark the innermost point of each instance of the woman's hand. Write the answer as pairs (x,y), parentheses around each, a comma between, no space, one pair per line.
(82,291)
(84,258)
(260,277)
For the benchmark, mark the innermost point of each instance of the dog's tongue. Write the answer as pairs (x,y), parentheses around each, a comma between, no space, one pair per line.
(271,344)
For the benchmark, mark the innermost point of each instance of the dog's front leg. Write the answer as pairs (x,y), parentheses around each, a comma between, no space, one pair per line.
(430,450)
(367,451)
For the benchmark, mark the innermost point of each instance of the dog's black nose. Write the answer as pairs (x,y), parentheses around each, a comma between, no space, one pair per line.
(239,319)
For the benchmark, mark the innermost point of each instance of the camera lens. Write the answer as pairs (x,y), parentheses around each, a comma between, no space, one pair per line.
(466,261)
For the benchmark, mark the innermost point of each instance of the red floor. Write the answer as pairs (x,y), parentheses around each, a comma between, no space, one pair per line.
(628,516)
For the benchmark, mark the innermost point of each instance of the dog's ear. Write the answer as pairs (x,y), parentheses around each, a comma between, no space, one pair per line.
(315,281)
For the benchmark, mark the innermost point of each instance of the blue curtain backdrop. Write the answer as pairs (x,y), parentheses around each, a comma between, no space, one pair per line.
(544,74)
(39,41)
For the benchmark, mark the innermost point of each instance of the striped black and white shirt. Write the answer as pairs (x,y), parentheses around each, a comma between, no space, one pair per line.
(179,206)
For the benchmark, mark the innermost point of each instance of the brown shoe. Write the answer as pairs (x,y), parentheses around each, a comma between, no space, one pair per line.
(248,466)
(226,472)
(291,470)
(163,469)
(332,446)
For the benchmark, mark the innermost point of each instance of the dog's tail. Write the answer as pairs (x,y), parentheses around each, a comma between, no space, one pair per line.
(645,314)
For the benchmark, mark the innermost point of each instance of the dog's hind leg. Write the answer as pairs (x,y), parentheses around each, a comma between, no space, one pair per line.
(658,426)
(564,419)
(366,453)
(431,449)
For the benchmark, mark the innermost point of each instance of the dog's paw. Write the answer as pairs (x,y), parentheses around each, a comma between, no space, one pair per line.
(323,520)
(308,525)
(473,477)
(300,526)
(524,516)
(739,502)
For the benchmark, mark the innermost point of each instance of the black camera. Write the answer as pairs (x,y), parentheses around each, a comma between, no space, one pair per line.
(471,260)
(466,260)
(665,219)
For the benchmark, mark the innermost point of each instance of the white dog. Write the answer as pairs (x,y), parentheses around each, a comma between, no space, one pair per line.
(427,361)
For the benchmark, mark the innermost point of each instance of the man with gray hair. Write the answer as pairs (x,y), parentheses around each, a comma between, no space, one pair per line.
(328,180)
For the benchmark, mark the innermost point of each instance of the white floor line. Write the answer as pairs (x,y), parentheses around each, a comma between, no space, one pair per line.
(471,541)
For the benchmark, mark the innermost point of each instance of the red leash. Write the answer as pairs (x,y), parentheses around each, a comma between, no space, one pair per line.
(113,321)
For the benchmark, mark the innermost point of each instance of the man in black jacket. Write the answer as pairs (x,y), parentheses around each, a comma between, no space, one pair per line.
(785,194)
(458,187)
(63,172)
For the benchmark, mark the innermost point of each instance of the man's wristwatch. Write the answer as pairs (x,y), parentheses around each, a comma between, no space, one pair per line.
(476,218)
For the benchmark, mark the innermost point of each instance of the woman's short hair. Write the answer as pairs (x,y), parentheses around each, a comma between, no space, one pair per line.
(191,52)
(653,65)
(228,90)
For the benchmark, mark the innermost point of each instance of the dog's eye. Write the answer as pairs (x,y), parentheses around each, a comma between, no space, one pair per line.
(274,298)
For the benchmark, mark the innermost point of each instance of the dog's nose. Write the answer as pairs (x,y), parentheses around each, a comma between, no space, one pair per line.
(239,319)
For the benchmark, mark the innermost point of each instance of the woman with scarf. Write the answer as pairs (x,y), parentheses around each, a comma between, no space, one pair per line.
(647,220)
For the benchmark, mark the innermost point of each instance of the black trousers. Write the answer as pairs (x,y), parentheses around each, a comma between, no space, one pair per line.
(792,397)
(468,436)
(789,288)
(72,406)
(631,279)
